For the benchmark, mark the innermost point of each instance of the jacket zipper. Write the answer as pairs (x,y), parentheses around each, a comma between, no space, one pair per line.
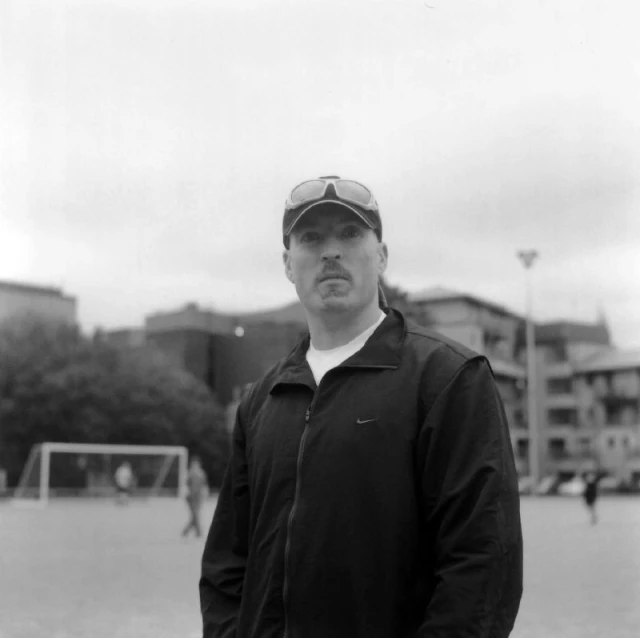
(287,547)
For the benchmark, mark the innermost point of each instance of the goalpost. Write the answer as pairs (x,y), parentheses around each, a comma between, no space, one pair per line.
(87,469)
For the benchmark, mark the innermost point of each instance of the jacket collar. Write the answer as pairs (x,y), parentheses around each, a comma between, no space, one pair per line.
(382,350)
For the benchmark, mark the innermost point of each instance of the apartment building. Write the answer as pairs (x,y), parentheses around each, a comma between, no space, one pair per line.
(52,303)
(564,436)
(608,392)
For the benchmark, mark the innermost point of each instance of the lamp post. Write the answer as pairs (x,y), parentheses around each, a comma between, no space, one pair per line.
(528,257)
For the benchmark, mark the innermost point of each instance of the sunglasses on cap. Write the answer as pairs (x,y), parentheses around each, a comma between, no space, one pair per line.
(344,190)
(331,189)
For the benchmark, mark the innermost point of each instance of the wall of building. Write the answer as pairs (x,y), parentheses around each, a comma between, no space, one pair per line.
(449,311)
(482,328)
(228,361)
(191,317)
(609,411)
(468,335)
(580,351)
(125,337)
(17,299)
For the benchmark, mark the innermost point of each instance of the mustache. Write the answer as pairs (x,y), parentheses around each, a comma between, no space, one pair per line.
(332,272)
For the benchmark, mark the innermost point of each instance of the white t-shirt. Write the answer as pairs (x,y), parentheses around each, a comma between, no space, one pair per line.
(321,361)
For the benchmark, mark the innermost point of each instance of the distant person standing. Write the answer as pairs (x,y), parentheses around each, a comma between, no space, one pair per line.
(196,492)
(124,482)
(590,494)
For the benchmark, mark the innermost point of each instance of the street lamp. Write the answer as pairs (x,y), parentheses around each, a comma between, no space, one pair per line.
(527,257)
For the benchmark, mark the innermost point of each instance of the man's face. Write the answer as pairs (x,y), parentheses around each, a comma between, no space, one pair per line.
(334,260)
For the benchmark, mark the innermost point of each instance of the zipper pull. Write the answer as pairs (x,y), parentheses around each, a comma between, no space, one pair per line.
(307,415)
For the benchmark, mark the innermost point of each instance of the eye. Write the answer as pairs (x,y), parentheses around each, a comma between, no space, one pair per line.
(351,231)
(309,236)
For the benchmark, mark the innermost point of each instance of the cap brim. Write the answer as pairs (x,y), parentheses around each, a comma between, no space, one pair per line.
(324,202)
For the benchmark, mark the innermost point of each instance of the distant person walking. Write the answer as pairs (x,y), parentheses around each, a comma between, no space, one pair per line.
(124,482)
(590,494)
(196,492)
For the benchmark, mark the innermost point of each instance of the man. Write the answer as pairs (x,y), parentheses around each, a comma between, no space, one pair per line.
(196,492)
(590,494)
(372,490)
(124,482)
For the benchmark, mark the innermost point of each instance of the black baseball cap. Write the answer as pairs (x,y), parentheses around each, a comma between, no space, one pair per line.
(331,190)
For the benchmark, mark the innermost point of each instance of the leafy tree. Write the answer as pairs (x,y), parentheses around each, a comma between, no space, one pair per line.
(57,385)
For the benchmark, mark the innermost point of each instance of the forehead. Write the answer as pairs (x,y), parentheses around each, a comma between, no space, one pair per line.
(327,217)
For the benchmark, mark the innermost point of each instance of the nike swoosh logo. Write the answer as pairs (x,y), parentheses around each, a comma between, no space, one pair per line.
(361,421)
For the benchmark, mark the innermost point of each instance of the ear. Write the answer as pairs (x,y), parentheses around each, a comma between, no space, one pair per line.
(286,260)
(383,255)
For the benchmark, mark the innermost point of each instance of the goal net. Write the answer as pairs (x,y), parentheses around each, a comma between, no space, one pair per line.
(89,470)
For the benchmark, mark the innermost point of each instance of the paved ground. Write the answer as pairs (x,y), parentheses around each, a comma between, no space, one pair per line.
(96,570)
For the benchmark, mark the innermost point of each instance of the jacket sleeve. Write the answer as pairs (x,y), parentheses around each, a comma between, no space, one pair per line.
(471,510)
(225,554)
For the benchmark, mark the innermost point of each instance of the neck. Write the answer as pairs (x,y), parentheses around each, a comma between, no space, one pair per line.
(334,329)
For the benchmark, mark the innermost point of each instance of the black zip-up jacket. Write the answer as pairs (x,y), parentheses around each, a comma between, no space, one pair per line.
(381,504)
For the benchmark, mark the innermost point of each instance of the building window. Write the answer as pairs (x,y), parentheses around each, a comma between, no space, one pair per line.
(555,353)
(557,448)
(519,420)
(559,386)
(614,415)
(584,445)
(522,449)
(561,416)
(612,441)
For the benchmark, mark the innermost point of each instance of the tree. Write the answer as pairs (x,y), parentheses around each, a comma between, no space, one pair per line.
(57,385)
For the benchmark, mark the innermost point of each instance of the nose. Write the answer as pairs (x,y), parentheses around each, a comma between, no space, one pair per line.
(331,250)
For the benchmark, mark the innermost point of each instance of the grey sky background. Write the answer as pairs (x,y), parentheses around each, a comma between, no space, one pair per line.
(148,147)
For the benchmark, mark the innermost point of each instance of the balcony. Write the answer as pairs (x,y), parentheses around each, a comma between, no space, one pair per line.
(557,454)
(563,431)
(558,369)
(613,398)
(633,454)
(561,417)
(564,401)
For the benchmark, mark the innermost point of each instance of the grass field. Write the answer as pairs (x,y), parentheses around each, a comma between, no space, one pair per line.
(83,569)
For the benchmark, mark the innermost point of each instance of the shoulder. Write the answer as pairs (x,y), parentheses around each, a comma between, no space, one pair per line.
(435,349)
(441,362)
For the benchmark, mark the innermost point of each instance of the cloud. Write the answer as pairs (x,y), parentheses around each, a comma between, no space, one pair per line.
(153,144)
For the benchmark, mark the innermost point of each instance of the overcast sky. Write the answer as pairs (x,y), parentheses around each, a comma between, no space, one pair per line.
(148,147)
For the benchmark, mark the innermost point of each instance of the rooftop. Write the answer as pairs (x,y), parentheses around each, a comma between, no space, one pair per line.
(507,368)
(191,315)
(439,293)
(15,286)
(610,361)
(573,332)
(291,313)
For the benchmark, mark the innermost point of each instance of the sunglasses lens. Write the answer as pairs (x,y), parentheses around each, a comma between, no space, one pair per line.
(353,192)
(313,189)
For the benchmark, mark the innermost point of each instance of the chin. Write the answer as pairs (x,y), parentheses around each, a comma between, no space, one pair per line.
(328,302)
(336,304)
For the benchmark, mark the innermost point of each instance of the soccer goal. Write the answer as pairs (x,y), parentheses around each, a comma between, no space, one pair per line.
(88,469)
